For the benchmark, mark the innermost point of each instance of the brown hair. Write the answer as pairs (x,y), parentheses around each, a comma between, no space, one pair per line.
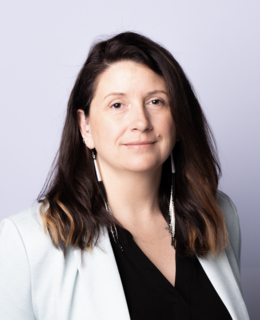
(75,214)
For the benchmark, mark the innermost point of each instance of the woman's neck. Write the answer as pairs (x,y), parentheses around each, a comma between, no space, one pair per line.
(132,196)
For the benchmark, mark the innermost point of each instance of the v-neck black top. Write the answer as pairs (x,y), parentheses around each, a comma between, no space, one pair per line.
(150,295)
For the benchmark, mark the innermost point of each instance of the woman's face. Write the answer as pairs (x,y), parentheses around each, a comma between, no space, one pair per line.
(130,123)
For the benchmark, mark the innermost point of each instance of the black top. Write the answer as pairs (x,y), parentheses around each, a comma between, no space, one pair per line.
(150,295)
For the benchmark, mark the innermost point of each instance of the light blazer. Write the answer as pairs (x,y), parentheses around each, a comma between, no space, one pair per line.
(36,282)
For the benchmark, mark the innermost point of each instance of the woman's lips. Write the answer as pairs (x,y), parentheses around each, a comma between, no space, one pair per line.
(140,145)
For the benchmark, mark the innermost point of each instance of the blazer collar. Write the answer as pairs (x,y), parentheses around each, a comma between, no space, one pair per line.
(220,274)
(104,291)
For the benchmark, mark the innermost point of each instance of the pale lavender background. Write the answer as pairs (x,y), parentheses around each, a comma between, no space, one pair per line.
(43,45)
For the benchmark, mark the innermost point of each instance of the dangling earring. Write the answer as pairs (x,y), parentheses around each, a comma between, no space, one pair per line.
(171,206)
(113,228)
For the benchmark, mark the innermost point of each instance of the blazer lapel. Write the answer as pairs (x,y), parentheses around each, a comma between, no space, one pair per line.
(103,293)
(222,278)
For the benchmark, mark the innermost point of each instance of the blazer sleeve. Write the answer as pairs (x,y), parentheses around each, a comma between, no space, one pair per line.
(15,277)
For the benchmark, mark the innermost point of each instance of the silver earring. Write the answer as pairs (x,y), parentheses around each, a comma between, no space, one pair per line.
(171,206)
(113,228)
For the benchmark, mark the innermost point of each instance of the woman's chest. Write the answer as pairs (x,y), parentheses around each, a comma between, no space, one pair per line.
(162,255)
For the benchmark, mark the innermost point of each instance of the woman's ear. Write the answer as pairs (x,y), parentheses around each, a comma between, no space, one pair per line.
(84,127)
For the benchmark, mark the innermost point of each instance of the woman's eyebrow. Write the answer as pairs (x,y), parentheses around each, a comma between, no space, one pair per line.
(114,94)
(156,91)
(123,94)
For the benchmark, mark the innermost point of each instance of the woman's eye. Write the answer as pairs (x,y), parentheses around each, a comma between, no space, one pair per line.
(157,101)
(116,105)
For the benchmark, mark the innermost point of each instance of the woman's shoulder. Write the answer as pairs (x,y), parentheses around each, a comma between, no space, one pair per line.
(25,217)
(26,228)
(27,223)
(227,206)
(229,211)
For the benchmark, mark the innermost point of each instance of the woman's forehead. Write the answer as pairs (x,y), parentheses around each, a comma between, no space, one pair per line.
(127,77)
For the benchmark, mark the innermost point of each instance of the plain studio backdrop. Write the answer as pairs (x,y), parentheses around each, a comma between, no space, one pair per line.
(43,46)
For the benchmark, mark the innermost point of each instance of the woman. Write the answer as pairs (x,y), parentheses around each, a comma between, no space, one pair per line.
(118,234)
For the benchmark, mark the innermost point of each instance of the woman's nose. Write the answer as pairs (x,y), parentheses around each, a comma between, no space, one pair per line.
(140,119)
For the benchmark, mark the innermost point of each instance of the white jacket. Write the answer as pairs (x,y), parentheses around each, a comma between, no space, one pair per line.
(36,282)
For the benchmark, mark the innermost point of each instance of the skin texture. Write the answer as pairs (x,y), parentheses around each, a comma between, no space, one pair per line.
(131,105)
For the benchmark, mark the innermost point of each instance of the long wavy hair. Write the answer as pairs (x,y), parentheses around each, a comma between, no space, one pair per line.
(72,208)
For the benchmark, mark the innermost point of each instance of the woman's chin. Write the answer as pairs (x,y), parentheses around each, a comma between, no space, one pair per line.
(141,167)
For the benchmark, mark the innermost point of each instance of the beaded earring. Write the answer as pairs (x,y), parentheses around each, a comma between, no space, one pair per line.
(113,228)
(171,206)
